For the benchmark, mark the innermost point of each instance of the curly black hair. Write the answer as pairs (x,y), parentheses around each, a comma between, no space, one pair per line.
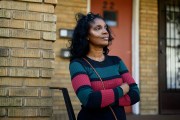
(79,45)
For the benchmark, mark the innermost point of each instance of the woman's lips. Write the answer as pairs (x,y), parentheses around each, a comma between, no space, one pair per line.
(105,38)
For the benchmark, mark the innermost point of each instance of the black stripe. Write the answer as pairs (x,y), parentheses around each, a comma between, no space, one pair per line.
(83,87)
(94,100)
(106,79)
(109,61)
(122,72)
(132,85)
(134,96)
(78,73)
(116,95)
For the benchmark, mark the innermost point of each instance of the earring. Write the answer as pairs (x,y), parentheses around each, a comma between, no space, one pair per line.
(87,39)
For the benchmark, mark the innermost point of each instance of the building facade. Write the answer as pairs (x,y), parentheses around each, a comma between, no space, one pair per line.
(149,63)
(27,33)
(143,47)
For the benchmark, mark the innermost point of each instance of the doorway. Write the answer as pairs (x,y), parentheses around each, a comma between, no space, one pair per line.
(118,15)
(169,56)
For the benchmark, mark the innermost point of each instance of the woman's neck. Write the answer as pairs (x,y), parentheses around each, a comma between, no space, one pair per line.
(96,54)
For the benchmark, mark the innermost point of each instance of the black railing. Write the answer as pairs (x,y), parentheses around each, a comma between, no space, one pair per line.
(67,100)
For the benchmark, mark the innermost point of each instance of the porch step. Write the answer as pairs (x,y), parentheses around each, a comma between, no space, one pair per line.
(153,117)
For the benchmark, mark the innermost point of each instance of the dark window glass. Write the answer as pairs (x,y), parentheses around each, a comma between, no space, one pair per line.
(110,17)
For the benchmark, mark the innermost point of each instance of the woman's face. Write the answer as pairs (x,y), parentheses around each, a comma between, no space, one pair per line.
(98,34)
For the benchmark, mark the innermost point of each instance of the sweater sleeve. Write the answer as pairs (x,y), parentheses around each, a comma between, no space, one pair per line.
(133,95)
(88,97)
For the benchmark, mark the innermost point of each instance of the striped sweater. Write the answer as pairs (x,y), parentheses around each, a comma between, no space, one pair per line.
(89,88)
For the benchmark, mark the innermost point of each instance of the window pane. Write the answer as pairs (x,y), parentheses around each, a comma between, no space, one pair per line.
(172,47)
(110,18)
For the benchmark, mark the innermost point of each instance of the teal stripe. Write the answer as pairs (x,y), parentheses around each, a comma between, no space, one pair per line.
(83,95)
(122,66)
(76,67)
(105,72)
(120,91)
(135,88)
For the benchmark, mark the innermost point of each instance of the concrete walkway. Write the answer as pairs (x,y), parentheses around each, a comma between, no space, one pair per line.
(153,117)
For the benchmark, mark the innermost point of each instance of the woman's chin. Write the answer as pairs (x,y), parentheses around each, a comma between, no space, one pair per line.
(104,45)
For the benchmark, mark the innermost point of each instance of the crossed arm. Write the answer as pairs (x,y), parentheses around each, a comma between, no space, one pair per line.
(99,99)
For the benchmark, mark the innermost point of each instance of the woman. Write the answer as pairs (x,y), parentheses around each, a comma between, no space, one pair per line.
(101,82)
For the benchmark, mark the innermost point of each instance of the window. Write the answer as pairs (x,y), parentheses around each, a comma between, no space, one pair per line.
(173,46)
(110,18)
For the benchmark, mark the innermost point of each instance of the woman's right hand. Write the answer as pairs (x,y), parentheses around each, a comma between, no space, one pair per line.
(125,88)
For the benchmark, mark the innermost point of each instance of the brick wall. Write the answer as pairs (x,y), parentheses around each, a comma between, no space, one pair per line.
(27,32)
(149,56)
(65,11)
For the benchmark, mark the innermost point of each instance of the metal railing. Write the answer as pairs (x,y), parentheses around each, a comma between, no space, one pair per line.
(67,100)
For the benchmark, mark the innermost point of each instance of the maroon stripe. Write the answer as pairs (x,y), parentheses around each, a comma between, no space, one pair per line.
(127,78)
(80,80)
(107,97)
(125,101)
(109,84)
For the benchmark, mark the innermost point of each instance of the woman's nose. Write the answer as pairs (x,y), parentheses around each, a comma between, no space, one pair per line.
(105,31)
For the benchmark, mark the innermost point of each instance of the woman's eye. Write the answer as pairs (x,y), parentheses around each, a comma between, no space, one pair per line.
(97,28)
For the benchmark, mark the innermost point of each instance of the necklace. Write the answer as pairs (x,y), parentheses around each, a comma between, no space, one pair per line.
(97,59)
